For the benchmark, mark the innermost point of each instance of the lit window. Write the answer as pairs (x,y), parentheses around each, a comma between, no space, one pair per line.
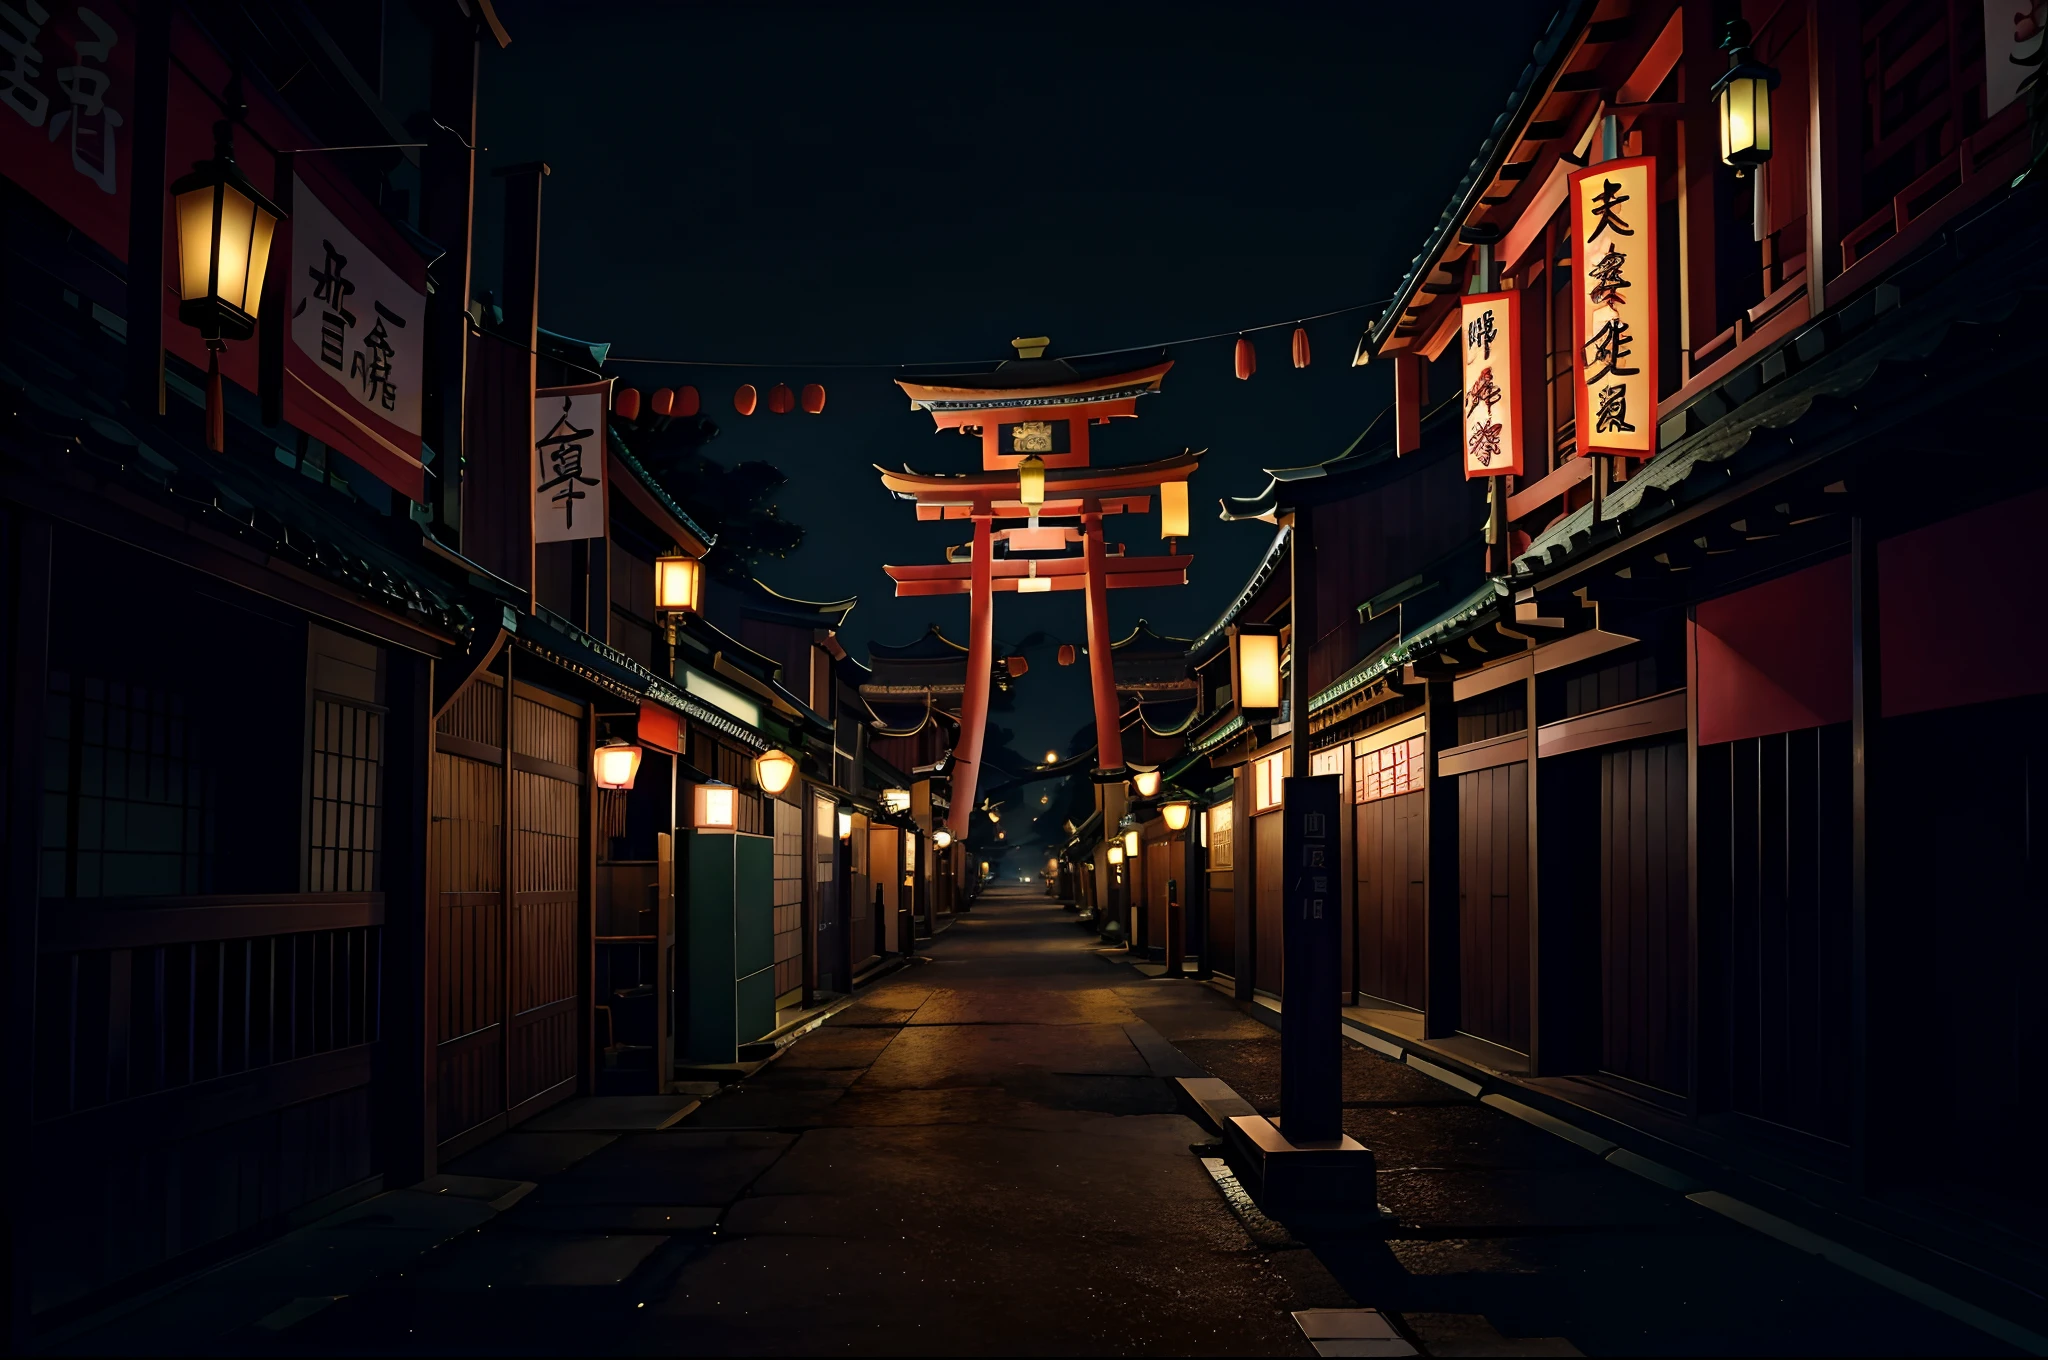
(1268,772)
(1390,770)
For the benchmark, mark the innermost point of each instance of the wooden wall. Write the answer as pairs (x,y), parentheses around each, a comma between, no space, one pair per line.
(1774,928)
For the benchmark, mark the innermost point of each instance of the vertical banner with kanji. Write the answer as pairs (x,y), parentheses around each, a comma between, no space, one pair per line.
(1491,334)
(355,358)
(1614,319)
(568,462)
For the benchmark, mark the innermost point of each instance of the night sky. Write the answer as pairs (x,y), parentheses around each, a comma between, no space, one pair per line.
(798,186)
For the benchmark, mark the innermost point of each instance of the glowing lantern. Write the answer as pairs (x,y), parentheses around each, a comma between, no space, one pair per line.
(224,231)
(614,764)
(845,825)
(942,838)
(1116,853)
(1247,358)
(896,800)
(745,399)
(1052,757)
(1255,666)
(1744,95)
(1146,782)
(773,770)
(781,400)
(1173,510)
(662,403)
(1131,843)
(626,403)
(679,584)
(687,403)
(814,399)
(1177,813)
(1031,482)
(1301,347)
(716,807)
(1066,653)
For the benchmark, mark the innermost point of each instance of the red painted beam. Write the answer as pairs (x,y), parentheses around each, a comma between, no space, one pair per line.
(1065,573)
(981,649)
(1109,741)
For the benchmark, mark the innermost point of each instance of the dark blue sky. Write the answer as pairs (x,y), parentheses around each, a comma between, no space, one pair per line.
(899,182)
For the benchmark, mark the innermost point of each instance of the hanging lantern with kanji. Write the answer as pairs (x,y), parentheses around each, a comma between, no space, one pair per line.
(781,400)
(814,399)
(1301,347)
(746,399)
(1247,358)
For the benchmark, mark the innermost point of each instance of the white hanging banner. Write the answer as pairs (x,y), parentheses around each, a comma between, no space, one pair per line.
(568,462)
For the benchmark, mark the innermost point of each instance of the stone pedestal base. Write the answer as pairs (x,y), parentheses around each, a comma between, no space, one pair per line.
(1331,1184)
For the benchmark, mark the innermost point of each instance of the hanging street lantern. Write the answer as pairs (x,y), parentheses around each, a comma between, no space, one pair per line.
(1146,782)
(942,838)
(1031,483)
(1131,843)
(781,401)
(814,399)
(1177,811)
(687,402)
(615,763)
(1255,667)
(224,232)
(1247,358)
(1173,510)
(679,586)
(1301,347)
(773,770)
(715,807)
(896,800)
(1116,854)
(745,398)
(1066,653)
(1744,95)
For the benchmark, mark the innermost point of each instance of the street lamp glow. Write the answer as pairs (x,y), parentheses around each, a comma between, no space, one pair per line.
(1131,843)
(614,764)
(679,584)
(1176,813)
(1255,667)
(773,770)
(1116,854)
(1146,782)
(716,807)
(942,838)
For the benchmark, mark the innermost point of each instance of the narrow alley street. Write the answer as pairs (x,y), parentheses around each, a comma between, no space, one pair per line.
(983,1155)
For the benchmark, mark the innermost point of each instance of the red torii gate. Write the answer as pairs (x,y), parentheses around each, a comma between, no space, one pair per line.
(1034,417)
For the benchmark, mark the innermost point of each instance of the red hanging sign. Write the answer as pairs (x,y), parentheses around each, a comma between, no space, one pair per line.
(1614,316)
(1490,332)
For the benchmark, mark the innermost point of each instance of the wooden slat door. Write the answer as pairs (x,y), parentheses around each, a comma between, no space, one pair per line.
(1391,855)
(1493,904)
(469,879)
(1266,906)
(507,962)
(547,867)
(1158,868)
(1645,940)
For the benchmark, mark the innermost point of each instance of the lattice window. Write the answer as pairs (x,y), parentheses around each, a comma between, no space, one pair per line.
(789,897)
(347,796)
(1390,770)
(1269,774)
(127,795)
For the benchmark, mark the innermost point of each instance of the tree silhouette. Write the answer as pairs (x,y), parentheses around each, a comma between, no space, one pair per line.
(734,504)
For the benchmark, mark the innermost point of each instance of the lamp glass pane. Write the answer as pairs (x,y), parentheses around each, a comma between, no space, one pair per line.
(1116,854)
(237,227)
(1258,664)
(676,583)
(259,258)
(716,807)
(1130,843)
(195,242)
(1760,102)
(772,770)
(1173,510)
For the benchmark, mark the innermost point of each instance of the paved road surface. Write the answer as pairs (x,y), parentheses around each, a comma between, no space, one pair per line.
(980,1157)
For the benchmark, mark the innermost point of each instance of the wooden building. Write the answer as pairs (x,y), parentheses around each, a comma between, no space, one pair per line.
(1632,824)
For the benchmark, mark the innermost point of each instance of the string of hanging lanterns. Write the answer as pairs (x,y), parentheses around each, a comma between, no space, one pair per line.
(683,402)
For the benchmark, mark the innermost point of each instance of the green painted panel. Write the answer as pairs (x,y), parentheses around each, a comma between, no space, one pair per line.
(753,905)
(755,1005)
(710,1035)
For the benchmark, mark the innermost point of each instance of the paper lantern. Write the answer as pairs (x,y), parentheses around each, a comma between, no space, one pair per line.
(1301,347)
(663,402)
(1176,813)
(679,583)
(687,402)
(814,399)
(1247,358)
(773,770)
(614,764)
(781,401)
(1255,667)
(715,807)
(746,399)
(1066,653)
(626,403)
(1173,509)
(1146,782)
